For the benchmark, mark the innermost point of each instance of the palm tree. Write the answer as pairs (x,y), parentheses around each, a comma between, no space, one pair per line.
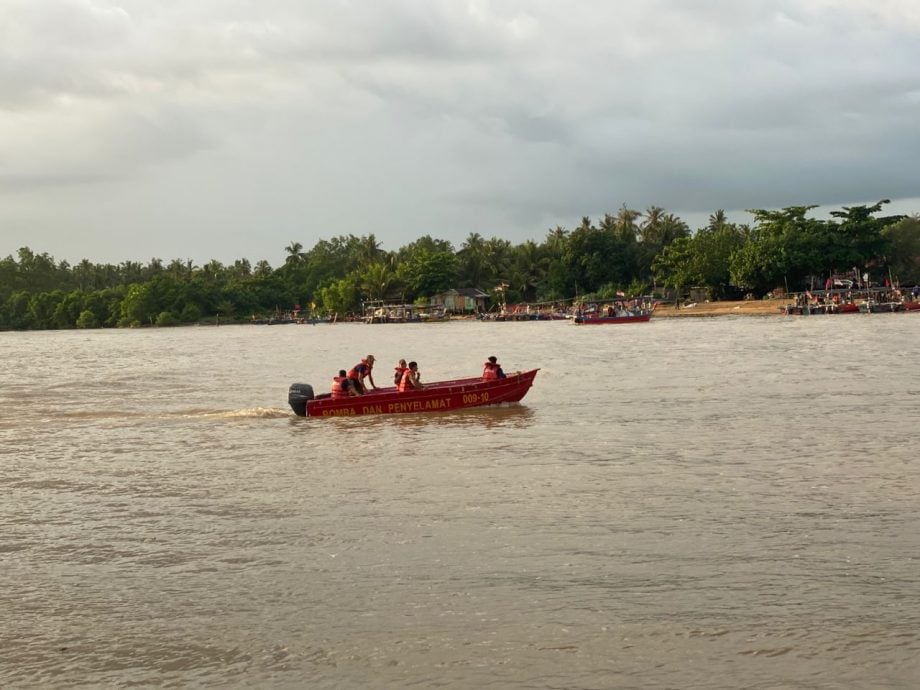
(131,272)
(367,250)
(377,280)
(528,270)
(213,269)
(154,267)
(557,240)
(472,256)
(717,220)
(649,228)
(83,272)
(295,253)
(176,268)
(241,268)
(672,227)
(497,259)
(626,223)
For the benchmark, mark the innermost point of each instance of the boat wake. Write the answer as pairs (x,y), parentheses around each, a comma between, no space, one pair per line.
(246,413)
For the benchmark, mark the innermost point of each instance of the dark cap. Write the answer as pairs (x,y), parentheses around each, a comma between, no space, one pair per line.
(493,359)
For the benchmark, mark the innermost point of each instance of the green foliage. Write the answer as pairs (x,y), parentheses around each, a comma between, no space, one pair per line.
(596,256)
(787,247)
(191,313)
(622,252)
(426,272)
(903,237)
(377,281)
(703,259)
(341,297)
(166,318)
(139,305)
(16,311)
(87,319)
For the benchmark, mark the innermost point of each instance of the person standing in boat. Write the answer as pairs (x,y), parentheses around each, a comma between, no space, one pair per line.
(361,371)
(411,378)
(492,370)
(399,371)
(342,386)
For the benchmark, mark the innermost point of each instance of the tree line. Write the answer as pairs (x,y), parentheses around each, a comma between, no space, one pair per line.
(628,252)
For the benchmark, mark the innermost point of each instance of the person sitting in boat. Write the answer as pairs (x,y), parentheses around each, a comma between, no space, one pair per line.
(342,386)
(399,371)
(411,378)
(360,371)
(492,370)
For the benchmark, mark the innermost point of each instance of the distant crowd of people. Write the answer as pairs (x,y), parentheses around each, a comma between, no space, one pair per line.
(406,377)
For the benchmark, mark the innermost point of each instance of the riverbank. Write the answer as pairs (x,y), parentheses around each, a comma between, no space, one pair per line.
(766,307)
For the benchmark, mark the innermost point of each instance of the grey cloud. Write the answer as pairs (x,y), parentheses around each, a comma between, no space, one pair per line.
(400,118)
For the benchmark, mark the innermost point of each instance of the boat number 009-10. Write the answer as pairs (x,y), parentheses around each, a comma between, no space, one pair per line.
(475,398)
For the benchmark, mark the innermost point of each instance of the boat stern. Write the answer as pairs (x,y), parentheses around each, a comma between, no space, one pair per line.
(299,394)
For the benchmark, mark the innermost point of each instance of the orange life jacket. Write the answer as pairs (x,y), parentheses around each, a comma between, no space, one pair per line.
(358,371)
(340,387)
(489,371)
(398,374)
(405,382)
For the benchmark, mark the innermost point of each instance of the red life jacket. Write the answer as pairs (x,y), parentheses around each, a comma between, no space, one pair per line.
(398,374)
(340,387)
(489,371)
(404,382)
(359,372)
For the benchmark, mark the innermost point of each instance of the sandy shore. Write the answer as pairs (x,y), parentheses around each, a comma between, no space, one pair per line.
(766,307)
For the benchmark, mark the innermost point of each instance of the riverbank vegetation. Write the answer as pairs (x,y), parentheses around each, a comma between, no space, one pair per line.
(627,252)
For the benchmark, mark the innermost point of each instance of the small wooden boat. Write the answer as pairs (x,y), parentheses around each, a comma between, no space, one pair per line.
(828,308)
(440,396)
(635,310)
(640,317)
(871,306)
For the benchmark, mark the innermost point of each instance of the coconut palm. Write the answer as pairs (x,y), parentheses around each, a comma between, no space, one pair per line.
(626,223)
(556,241)
(84,272)
(472,257)
(377,281)
(528,269)
(367,250)
(497,259)
(717,220)
(649,228)
(295,253)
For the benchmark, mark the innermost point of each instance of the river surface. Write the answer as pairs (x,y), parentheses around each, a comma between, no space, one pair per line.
(688,503)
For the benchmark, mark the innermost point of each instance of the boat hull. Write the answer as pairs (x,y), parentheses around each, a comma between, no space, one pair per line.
(831,308)
(600,320)
(442,396)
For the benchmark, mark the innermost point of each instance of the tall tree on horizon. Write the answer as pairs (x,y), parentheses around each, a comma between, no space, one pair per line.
(472,256)
(295,253)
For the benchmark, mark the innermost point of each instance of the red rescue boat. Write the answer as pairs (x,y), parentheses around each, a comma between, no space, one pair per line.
(440,396)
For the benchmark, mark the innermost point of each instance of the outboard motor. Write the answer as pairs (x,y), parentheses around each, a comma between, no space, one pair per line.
(299,394)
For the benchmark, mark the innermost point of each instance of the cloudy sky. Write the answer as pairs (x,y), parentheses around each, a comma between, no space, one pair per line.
(226,129)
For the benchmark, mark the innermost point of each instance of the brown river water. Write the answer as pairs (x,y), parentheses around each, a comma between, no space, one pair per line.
(689,503)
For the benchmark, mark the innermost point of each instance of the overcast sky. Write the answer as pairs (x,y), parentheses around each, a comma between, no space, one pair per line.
(226,129)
